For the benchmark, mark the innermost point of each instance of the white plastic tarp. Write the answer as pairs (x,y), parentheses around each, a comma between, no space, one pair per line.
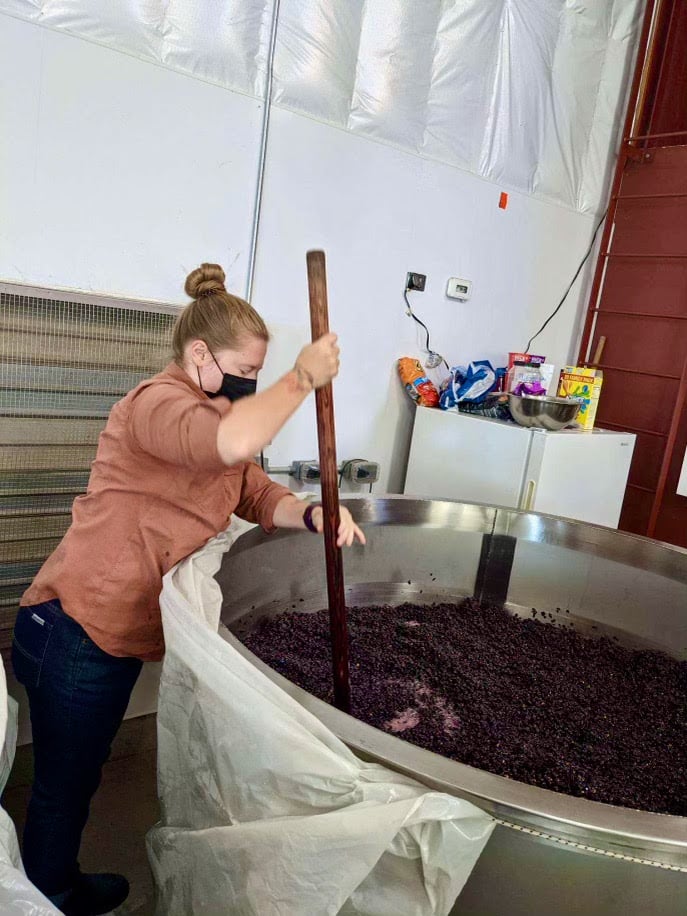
(526,93)
(264,810)
(18,897)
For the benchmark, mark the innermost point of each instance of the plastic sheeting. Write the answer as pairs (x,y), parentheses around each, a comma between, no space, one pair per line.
(264,810)
(526,93)
(18,897)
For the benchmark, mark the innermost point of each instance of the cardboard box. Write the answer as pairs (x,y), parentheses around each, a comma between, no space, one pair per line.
(585,385)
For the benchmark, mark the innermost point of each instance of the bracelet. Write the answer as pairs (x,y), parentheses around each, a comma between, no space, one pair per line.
(307,516)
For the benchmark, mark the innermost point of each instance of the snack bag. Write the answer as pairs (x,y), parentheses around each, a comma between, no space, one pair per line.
(524,373)
(471,384)
(525,359)
(534,387)
(416,383)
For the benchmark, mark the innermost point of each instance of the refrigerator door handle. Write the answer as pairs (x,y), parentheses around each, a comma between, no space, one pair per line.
(530,489)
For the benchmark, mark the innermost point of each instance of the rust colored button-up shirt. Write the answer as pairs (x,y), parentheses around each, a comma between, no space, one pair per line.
(158,491)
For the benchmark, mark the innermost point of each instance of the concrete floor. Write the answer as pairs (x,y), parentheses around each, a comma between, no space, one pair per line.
(124,808)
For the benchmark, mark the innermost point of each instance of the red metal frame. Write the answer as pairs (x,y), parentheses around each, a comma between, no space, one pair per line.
(662,32)
(667,93)
(670,133)
(680,401)
(657,102)
(645,55)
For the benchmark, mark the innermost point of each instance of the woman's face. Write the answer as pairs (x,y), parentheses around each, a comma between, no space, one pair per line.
(244,362)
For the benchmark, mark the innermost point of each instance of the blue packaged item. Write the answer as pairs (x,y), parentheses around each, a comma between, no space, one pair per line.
(472,384)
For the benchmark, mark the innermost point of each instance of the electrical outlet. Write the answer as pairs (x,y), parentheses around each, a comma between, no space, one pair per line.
(305,471)
(360,471)
(416,281)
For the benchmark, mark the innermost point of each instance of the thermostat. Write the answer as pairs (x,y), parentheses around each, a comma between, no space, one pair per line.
(458,289)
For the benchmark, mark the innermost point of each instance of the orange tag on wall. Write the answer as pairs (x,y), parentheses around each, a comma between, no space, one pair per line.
(503,200)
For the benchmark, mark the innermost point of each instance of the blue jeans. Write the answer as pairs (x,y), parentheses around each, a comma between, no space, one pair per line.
(78,695)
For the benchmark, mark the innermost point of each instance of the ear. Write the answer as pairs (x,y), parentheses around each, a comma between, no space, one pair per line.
(198,352)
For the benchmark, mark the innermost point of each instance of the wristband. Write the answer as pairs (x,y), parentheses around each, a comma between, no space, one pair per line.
(307,517)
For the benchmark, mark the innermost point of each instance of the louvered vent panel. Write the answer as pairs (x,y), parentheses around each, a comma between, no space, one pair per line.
(63,363)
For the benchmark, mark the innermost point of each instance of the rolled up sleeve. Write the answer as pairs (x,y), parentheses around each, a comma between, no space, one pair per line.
(177,427)
(259,497)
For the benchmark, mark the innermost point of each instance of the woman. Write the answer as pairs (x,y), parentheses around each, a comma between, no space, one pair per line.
(173,463)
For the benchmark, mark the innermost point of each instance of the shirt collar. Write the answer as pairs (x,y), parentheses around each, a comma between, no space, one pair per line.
(221,405)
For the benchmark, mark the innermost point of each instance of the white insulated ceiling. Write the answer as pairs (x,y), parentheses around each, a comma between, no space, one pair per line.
(525,93)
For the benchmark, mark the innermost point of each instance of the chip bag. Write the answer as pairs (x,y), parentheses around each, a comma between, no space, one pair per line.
(416,383)
(471,384)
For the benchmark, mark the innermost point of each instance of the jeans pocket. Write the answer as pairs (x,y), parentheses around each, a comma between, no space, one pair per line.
(31,636)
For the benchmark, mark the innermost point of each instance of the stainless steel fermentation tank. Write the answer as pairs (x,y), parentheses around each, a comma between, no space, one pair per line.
(551,854)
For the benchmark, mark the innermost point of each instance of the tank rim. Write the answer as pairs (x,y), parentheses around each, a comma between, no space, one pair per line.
(657,838)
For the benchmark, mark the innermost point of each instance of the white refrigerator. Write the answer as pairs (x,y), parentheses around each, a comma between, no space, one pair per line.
(573,473)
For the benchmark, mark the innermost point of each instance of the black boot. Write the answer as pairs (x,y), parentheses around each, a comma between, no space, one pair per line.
(93,895)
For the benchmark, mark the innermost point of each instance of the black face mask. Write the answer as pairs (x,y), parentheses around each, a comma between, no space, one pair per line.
(233,387)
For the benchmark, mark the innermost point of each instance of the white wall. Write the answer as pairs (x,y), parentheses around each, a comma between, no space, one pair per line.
(118,176)
(379,212)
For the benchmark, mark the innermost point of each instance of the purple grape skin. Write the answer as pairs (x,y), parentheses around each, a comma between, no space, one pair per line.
(536,702)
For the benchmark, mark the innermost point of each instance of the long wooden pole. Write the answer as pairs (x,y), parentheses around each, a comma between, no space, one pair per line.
(319,321)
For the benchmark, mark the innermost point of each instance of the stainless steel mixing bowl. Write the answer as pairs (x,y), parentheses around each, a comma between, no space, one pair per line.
(542,411)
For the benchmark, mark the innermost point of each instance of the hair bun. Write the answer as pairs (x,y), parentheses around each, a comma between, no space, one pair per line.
(204,280)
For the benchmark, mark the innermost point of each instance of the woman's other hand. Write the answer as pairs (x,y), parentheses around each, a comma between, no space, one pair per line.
(348,530)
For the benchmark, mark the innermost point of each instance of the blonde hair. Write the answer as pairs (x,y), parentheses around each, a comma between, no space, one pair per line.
(222,320)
